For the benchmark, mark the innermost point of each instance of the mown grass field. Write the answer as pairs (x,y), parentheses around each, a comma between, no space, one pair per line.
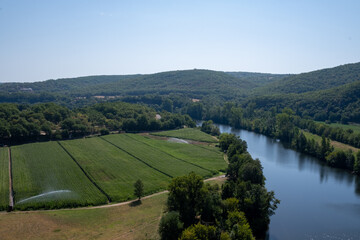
(355,128)
(4,178)
(154,157)
(188,133)
(207,157)
(114,170)
(121,222)
(335,144)
(41,170)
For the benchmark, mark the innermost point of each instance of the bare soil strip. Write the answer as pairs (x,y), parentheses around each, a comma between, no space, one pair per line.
(11,193)
(86,174)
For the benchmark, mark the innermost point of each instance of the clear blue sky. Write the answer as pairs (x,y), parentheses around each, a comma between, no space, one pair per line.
(43,39)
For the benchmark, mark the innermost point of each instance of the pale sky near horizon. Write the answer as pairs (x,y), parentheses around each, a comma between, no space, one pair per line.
(42,40)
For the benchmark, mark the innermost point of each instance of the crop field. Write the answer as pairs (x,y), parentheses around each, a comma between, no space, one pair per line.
(187,133)
(114,170)
(207,157)
(154,157)
(91,171)
(4,178)
(44,176)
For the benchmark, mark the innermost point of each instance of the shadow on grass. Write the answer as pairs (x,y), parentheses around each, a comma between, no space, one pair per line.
(135,203)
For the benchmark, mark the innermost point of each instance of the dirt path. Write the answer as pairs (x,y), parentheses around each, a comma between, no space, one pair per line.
(115,204)
(149,196)
(11,194)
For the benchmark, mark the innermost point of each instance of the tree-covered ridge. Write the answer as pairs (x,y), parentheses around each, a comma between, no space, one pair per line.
(259,79)
(313,81)
(194,82)
(339,104)
(22,123)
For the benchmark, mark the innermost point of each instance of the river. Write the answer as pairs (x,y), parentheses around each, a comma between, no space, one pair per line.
(317,202)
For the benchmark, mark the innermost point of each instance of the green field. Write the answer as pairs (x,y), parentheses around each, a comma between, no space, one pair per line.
(44,176)
(4,178)
(154,157)
(114,170)
(187,133)
(90,171)
(335,144)
(355,128)
(207,157)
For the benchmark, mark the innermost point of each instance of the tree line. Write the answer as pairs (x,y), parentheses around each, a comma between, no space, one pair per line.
(241,209)
(290,129)
(21,123)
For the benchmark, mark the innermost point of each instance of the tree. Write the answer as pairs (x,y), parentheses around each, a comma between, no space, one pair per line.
(186,195)
(170,226)
(199,232)
(138,189)
(357,163)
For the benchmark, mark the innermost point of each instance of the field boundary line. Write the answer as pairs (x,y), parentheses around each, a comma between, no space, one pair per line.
(136,157)
(86,174)
(182,160)
(11,190)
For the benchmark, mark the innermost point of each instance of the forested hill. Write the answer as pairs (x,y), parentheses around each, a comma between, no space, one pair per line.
(340,103)
(313,81)
(259,79)
(197,82)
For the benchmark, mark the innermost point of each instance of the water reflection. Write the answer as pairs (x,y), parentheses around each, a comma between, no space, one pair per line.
(317,202)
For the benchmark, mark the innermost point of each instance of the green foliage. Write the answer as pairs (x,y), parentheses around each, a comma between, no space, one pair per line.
(238,226)
(227,139)
(4,178)
(185,196)
(138,189)
(357,164)
(314,81)
(42,168)
(209,128)
(341,159)
(24,123)
(187,133)
(170,226)
(199,232)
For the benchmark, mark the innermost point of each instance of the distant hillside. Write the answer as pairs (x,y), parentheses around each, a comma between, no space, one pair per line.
(259,79)
(340,103)
(313,81)
(65,84)
(196,83)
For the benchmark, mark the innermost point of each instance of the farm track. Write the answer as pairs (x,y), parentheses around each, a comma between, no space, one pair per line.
(86,174)
(11,192)
(115,204)
(171,155)
(168,175)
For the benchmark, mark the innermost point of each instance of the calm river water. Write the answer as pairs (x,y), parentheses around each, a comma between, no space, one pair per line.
(317,202)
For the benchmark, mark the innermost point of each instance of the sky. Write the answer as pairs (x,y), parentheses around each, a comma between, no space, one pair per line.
(42,39)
